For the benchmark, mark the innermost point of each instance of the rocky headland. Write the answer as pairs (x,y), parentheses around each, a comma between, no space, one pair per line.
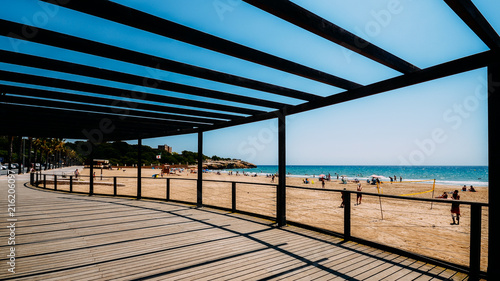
(227,164)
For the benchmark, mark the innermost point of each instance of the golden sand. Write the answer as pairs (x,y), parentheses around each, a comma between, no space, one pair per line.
(419,227)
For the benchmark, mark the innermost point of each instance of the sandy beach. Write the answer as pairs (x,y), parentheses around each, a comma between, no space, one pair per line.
(414,226)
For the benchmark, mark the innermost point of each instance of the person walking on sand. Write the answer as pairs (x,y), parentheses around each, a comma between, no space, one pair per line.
(455,208)
(76,174)
(342,197)
(359,196)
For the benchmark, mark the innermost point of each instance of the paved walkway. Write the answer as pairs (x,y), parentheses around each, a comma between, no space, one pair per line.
(74,237)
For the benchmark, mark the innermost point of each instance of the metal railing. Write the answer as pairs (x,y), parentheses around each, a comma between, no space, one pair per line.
(58,183)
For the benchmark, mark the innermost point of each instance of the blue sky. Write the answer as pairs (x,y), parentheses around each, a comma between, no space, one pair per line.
(442,122)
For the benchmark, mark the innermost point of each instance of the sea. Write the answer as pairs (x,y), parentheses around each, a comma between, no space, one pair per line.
(447,175)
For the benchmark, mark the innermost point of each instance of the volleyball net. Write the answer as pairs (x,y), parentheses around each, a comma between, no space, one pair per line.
(380,189)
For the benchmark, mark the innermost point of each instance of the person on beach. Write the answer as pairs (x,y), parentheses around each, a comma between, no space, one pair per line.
(342,197)
(444,195)
(359,196)
(464,188)
(455,208)
(322,182)
(76,174)
(272,178)
(400,179)
(471,189)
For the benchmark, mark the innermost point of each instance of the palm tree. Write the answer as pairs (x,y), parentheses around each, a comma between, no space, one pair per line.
(37,144)
(58,146)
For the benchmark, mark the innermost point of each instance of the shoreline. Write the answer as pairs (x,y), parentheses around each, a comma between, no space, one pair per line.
(396,188)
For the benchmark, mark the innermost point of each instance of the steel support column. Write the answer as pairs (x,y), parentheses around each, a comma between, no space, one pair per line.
(493,167)
(139,164)
(281,189)
(91,178)
(199,183)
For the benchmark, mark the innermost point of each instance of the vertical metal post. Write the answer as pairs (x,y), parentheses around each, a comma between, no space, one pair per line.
(168,190)
(91,178)
(44,181)
(115,189)
(493,169)
(139,164)
(475,242)
(19,159)
(199,183)
(32,179)
(70,183)
(36,174)
(281,189)
(347,215)
(233,197)
(55,182)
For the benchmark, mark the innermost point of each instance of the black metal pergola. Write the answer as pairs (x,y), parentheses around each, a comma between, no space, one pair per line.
(112,113)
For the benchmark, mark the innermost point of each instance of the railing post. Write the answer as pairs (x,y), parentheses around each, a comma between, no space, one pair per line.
(475,242)
(32,178)
(347,215)
(36,174)
(167,195)
(70,183)
(55,182)
(44,181)
(233,197)
(199,183)
(281,188)
(139,164)
(91,178)
(115,191)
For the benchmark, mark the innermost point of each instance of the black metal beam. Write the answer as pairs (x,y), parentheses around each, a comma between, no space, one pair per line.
(469,13)
(144,21)
(105,109)
(55,39)
(435,72)
(281,188)
(111,91)
(142,81)
(493,169)
(122,103)
(311,22)
(78,125)
(199,182)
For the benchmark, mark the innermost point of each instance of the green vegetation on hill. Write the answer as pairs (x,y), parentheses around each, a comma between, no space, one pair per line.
(122,153)
(58,152)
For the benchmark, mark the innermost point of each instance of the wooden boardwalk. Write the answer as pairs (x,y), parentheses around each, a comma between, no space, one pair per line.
(75,237)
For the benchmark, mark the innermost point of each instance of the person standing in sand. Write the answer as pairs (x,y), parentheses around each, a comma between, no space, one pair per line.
(455,208)
(359,196)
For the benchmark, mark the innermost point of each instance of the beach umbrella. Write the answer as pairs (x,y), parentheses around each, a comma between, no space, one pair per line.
(322,176)
(375,176)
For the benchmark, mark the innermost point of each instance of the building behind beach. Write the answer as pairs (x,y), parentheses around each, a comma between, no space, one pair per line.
(165,147)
